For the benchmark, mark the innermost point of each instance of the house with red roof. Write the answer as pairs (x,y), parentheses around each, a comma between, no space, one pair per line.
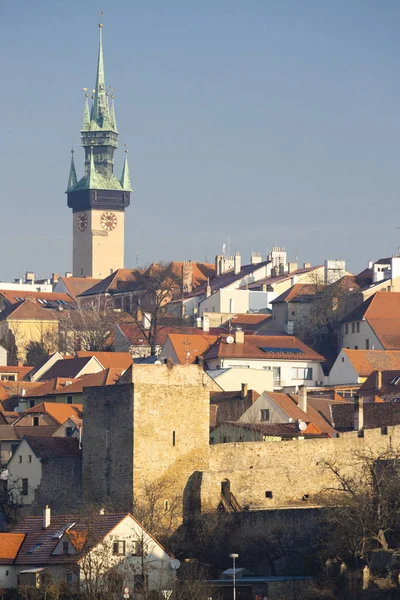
(375,324)
(354,366)
(78,551)
(292,362)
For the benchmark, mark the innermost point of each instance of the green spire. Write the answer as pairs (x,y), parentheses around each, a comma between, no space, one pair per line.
(72,179)
(100,115)
(125,177)
(91,176)
(112,115)
(86,116)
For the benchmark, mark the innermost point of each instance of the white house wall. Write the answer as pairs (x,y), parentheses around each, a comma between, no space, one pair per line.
(256,379)
(32,471)
(357,340)
(342,371)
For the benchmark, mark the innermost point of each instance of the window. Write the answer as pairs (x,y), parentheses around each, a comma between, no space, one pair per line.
(69,399)
(353,328)
(34,548)
(68,431)
(358,326)
(137,548)
(65,547)
(119,548)
(384,430)
(342,358)
(29,457)
(20,458)
(36,421)
(24,487)
(301,373)
(346,328)
(173,438)
(355,347)
(31,403)
(166,505)
(268,494)
(264,414)
(367,344)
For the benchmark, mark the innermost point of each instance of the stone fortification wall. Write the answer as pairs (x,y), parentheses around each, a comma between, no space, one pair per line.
(291,472)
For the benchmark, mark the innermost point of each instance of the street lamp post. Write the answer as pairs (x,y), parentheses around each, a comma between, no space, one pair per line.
(234,557)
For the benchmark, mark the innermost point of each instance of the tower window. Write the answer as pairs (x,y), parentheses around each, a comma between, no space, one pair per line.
(173,438)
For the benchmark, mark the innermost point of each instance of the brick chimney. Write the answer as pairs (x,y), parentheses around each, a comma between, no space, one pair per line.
(245,389)
(237,263)
(358,413)
(239,336)
(302,398)
(46,517)
(378,383)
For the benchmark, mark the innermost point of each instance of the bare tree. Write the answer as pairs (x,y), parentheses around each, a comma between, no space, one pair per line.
(88,326)
(154,289)
(363,508)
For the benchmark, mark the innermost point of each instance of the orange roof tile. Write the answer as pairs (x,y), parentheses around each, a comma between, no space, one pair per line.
(19,371)
(10,543)
(59,411)
(189,347)
(288,403)
(14,296)
(251,348)
(106,377)
(46,388)
(26,310)
(115,360)
(367,361)
(78,285)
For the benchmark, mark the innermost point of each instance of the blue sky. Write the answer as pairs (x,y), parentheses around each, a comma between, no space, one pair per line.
(273,123)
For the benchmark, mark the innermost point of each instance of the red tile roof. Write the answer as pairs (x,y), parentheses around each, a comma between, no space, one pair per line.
(59,411)
(115,360)
(106,377)
(14,296)
(45,388)
(189,347)
(251,348)
(248,323)
(19,371)
(288,403)
(300,292)
(10,543)
(367,361)
(26,310)
(382,311)
(54,447)
(78,285)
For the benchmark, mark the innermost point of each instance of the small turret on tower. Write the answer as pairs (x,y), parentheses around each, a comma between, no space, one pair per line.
(72,179)
(125,177)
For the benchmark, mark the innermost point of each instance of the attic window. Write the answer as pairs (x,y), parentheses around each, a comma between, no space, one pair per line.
(268,494)
(34,548)
(395,380)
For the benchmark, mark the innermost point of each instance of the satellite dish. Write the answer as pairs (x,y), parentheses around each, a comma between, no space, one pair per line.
(18,409)
(230,339)
(175,564)
(302,426)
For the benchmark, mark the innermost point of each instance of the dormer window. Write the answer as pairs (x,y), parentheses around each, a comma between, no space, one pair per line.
(65,547)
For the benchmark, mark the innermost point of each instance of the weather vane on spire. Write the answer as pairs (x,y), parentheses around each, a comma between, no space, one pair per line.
(101,18)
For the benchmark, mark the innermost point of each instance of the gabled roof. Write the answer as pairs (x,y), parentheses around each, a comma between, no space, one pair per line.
(106,377)
(78,285)
(288,403)
(26,310)
(35,535)
(54,447)
(273,279)
(121,279)
(300,292)
(19,371)
(247,322)
(229,406)
(68,368)
(230,277)
(188,347)
(282,347)
(59,411)
(7,432)
(134,335)
(46,388)
(30,431)
(15,296)
(382,311)
(115,360)
(367,361)
(283,430)
(10,543)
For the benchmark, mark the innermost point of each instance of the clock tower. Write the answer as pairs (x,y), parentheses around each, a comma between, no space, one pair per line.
(99,199)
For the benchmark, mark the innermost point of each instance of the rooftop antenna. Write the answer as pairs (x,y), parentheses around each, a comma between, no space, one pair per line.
(229,245)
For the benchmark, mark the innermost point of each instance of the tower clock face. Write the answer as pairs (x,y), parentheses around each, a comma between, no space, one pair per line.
(82,221)
(108,221)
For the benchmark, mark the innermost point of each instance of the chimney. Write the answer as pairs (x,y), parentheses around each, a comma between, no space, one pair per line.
(306,265)
(187,277)
(20,363)
(237,263)
(46,517)
(378,383)
(208,289)
(245,389)
(255,258)
(292,266)
(239,336)
(358,413)
(54,278)
(302,398)
(206,323)
(68,274)
(281,269)
(29,277)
